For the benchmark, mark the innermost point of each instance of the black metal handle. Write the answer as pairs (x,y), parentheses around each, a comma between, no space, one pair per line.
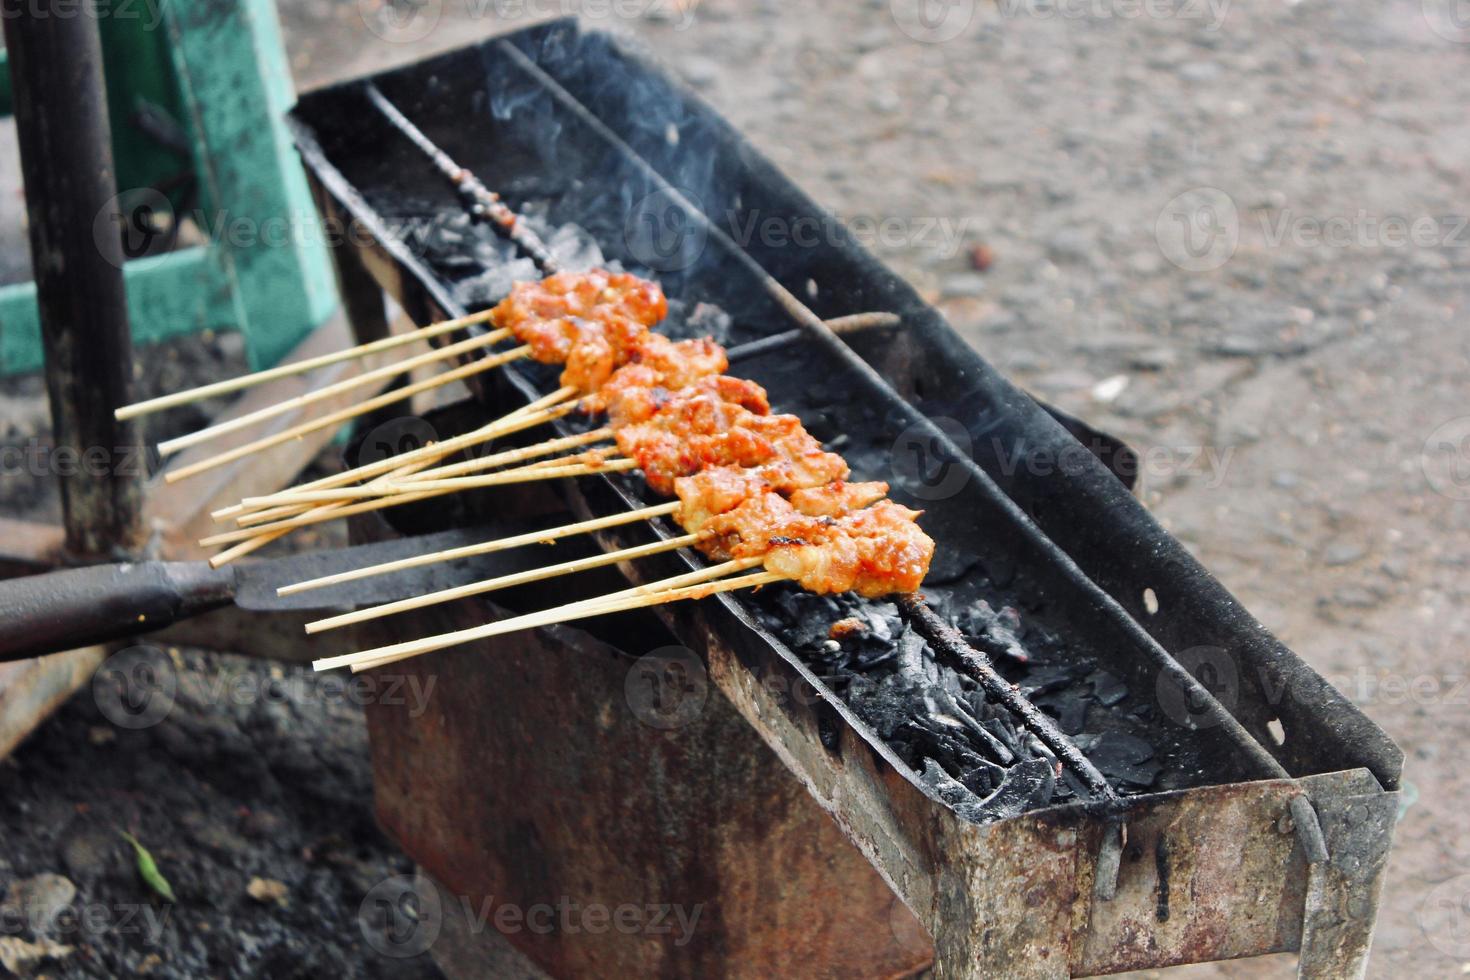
(42,614)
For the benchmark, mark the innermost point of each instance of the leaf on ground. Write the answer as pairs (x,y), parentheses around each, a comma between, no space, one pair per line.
(148,870)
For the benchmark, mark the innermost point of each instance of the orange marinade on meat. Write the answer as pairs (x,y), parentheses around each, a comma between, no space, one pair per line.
(875,551)
(723,488)
(696,429)
(586,320)
(649,366)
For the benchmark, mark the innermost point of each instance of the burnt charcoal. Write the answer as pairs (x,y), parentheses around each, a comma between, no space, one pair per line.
(984,778)
(1121,756)
(1071,714)
(1048,679)
(948,789)
(979,621)
(1107,688)
(1027,786)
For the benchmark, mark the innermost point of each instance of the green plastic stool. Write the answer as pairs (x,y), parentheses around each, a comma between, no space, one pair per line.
(202,86)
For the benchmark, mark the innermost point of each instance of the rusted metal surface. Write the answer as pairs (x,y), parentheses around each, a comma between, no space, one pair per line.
(531,777)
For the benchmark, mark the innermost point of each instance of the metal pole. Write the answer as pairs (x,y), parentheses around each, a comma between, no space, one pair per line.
(66,161)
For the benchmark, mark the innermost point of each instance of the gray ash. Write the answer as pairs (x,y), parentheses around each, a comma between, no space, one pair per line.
(970,752)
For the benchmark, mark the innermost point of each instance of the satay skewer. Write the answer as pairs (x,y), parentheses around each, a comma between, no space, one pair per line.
(503,582)
(231,385)
(544,409)
(706,581)
(171,446)
(318,515)
(384,488)
(547,536)
(352,411)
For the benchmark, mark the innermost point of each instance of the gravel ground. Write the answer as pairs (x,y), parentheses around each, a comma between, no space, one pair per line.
(1233,235)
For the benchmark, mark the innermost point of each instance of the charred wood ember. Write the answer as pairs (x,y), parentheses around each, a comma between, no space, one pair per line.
(950,645)
(482,202)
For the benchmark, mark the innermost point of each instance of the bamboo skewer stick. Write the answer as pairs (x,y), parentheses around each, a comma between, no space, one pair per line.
(616,465)
(255,544)
(297,367)
(542,410)
(289,497)
(316,516)
(515,455)
(549,469)
(351,412)
(650,596)
(547,536)
(501,582)
(301,401)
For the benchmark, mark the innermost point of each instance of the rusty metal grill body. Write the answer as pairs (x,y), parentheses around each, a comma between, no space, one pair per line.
(1255,845)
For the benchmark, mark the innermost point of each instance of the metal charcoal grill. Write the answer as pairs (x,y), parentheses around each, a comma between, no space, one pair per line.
(1228,841)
